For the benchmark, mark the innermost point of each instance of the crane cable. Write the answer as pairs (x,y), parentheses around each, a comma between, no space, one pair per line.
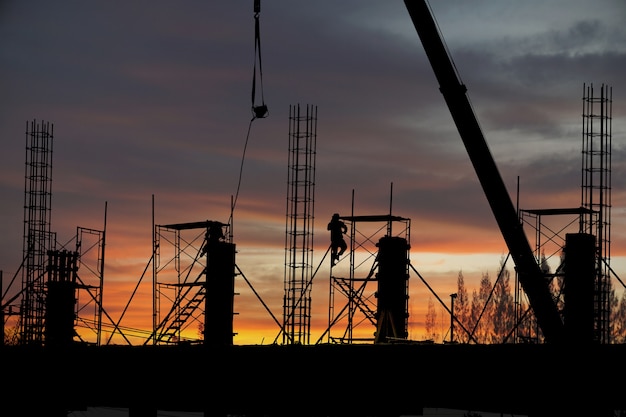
(243,158)
(260,111)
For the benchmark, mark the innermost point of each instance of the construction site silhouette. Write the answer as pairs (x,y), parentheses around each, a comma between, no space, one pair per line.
(567,358)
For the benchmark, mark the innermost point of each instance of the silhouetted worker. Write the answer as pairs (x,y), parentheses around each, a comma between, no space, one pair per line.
(214,235)
(338,244)
(215,232)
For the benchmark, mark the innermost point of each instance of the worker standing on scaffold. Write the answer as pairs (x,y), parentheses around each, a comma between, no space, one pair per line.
(337,244)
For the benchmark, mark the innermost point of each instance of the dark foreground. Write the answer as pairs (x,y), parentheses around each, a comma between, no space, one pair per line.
(321,380)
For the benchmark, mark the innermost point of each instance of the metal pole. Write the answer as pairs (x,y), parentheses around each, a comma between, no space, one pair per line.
(452,297)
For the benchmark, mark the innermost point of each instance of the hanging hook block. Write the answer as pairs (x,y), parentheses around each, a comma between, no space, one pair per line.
(260,112)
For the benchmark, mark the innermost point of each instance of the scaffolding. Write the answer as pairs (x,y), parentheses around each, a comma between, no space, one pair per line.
(550,228)
(90,244)
(38,239)
(369,303)
(596,196)
(593,217)
(188,259)
(44,266)
(299,225)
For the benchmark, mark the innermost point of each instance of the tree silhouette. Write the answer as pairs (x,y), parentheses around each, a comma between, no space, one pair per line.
(482,309)
(618,321)
(431,319)
(503,316)
(462,308)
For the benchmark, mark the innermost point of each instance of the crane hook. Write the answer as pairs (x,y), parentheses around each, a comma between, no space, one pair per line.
(261,110)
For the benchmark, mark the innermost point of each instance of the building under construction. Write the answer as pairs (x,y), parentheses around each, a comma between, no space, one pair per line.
(559,344)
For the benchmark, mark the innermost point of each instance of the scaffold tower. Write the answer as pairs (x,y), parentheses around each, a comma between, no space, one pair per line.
(38,239)
(369,288)
(550,227)
(193,283)
(596,195)
(592,217)
(299,225)
(90,245)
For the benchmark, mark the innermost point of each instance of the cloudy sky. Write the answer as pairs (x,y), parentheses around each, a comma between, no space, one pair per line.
(151,101)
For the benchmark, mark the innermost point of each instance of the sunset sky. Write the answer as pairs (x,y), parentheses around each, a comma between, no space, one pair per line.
(153,99)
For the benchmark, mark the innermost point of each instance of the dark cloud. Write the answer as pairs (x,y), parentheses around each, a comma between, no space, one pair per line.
(154,98)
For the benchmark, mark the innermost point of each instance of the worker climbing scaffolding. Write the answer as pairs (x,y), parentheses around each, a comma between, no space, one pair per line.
(338,245)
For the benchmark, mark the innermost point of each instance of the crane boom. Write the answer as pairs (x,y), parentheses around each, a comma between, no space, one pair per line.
(529,273)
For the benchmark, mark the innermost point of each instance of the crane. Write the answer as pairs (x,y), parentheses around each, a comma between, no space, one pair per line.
(454,92)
